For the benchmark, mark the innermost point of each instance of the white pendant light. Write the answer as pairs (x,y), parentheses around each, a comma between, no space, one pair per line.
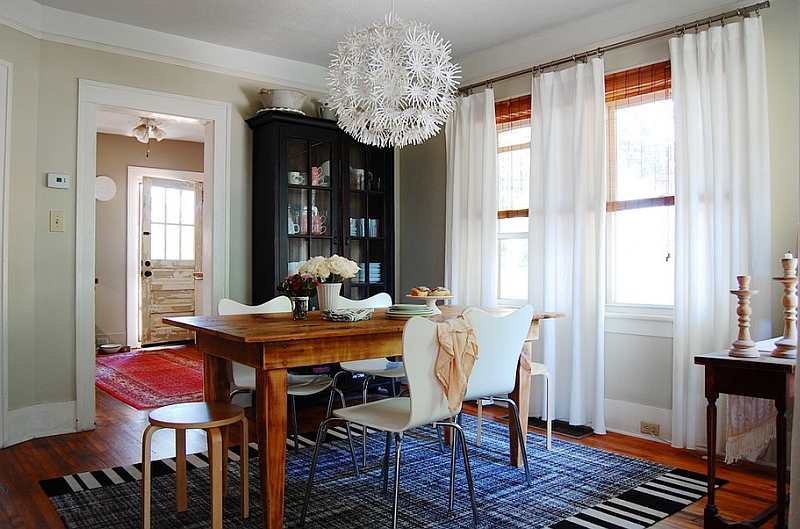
(393,83)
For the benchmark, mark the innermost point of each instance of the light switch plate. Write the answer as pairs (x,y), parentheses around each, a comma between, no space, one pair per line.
(57,180)
(57,221)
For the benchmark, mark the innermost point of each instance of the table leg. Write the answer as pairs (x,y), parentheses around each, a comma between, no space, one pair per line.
(521,396)
(780,523)
(271,402)
(710,512)
(216,386)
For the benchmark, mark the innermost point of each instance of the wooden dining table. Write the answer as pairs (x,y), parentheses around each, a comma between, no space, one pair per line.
(273,343)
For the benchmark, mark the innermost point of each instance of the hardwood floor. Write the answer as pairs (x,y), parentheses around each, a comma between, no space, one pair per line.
(117,441)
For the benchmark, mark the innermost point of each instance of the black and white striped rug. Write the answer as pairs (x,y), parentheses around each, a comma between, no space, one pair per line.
(573,487)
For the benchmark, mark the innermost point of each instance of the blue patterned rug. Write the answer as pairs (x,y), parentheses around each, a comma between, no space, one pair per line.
(573,487)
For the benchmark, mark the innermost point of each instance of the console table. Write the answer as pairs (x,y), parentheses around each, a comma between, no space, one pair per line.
(764,377)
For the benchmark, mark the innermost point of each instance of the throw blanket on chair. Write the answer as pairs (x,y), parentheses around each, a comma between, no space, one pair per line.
(751,426)
(458,349)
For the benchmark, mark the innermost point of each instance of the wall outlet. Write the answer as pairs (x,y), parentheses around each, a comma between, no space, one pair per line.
(650,428)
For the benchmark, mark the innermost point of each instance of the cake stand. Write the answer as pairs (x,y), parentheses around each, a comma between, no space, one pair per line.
(430,301)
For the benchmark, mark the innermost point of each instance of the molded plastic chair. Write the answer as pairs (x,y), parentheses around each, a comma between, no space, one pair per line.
(244,377)
(500,340)
(372,367)
(425,404)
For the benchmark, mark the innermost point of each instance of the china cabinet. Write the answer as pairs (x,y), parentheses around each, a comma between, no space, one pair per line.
(316,191)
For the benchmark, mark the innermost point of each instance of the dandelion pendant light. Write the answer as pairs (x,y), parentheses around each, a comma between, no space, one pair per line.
(393,83)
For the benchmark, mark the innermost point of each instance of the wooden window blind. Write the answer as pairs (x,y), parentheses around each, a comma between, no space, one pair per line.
(628,89)
(511,113)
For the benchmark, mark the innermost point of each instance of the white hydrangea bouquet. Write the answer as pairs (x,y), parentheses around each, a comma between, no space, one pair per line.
(333,269)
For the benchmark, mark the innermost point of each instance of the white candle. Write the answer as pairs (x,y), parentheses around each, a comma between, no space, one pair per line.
(788,256)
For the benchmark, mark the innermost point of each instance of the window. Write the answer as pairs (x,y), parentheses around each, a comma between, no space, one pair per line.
(513,119)
(641,187)
(641,190)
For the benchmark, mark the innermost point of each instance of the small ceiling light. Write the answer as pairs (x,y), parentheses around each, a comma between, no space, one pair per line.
(148,128)
(393,83)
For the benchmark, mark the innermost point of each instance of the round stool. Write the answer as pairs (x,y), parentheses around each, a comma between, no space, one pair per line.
(213,417)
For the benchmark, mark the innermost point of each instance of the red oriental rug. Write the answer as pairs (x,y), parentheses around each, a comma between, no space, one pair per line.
(151,378)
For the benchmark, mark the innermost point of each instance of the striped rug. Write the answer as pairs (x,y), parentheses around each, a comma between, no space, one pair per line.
(573,487)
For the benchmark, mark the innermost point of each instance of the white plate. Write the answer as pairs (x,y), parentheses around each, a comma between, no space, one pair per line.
(405,316)
(408,306)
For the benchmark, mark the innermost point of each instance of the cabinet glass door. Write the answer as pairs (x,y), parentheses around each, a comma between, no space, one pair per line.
(366,204)
(310,201)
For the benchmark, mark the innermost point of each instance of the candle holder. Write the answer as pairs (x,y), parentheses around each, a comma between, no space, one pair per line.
(744,346)
(786,347)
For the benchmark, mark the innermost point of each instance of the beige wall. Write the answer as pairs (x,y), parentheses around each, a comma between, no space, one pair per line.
(41,287)
(114,155)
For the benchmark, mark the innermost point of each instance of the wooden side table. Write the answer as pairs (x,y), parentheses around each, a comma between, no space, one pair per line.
(764,377)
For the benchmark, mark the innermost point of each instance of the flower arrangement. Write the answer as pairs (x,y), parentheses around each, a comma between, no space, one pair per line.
(333,269)
(299,284)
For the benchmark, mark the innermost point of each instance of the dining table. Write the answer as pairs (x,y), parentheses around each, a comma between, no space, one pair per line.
(274,343)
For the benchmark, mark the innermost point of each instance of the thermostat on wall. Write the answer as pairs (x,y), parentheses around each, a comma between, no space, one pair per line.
(59,181)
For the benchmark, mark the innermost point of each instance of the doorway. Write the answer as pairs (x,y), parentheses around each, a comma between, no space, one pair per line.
(165,248)
(94,97)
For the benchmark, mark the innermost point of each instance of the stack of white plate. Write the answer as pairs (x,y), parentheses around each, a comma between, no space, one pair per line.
(405,311)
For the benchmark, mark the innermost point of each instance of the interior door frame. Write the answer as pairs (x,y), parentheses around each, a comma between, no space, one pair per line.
(94,96)
(132,275)
(6,71)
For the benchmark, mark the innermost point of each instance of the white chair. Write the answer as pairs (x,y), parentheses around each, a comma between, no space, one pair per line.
(425,404)
(372,367)
(243,378)
(500,341)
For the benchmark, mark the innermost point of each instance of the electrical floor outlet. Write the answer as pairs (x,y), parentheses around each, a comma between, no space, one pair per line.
(650,428)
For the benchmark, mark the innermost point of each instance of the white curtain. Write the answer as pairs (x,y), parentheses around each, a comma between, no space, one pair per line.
(471,209)
(722,204)
(567,234)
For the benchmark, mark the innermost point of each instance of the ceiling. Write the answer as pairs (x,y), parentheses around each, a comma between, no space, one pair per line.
(309,30)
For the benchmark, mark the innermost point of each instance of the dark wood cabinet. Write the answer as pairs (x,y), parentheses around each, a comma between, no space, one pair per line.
(316,191)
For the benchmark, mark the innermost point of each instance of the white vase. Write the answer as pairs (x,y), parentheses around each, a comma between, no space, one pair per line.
(328,295)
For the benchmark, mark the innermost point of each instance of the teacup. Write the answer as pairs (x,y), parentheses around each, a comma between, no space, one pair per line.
(318,225)
(297,178)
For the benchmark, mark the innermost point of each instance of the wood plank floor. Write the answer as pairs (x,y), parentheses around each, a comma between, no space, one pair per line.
(117,441)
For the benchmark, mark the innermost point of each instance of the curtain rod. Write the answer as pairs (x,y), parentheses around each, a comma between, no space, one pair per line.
(677,30)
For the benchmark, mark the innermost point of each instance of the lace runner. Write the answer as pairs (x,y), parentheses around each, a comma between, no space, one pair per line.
(751,426)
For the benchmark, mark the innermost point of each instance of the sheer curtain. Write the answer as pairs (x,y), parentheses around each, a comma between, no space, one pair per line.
(722,203)
(471,209)
(567,234)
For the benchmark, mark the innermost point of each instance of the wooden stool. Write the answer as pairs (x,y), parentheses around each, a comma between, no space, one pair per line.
(213,418)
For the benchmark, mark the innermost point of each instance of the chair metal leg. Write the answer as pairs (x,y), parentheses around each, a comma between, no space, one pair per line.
(385,464)
(367,380)
(522,435)
(398,440)
(468,472)
(293,406)
(323,427)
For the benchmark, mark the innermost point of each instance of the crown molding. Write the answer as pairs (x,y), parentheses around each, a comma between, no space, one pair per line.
(73,29)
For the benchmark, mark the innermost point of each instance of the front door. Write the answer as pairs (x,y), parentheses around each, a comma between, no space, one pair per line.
(171,256)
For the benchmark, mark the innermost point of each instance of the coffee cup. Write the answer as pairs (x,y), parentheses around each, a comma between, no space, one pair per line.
(294,228)
(296,177)
(356,178)
(318,225)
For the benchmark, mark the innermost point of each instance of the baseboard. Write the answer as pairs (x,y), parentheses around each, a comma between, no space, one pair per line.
(625,417)
(40,420)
